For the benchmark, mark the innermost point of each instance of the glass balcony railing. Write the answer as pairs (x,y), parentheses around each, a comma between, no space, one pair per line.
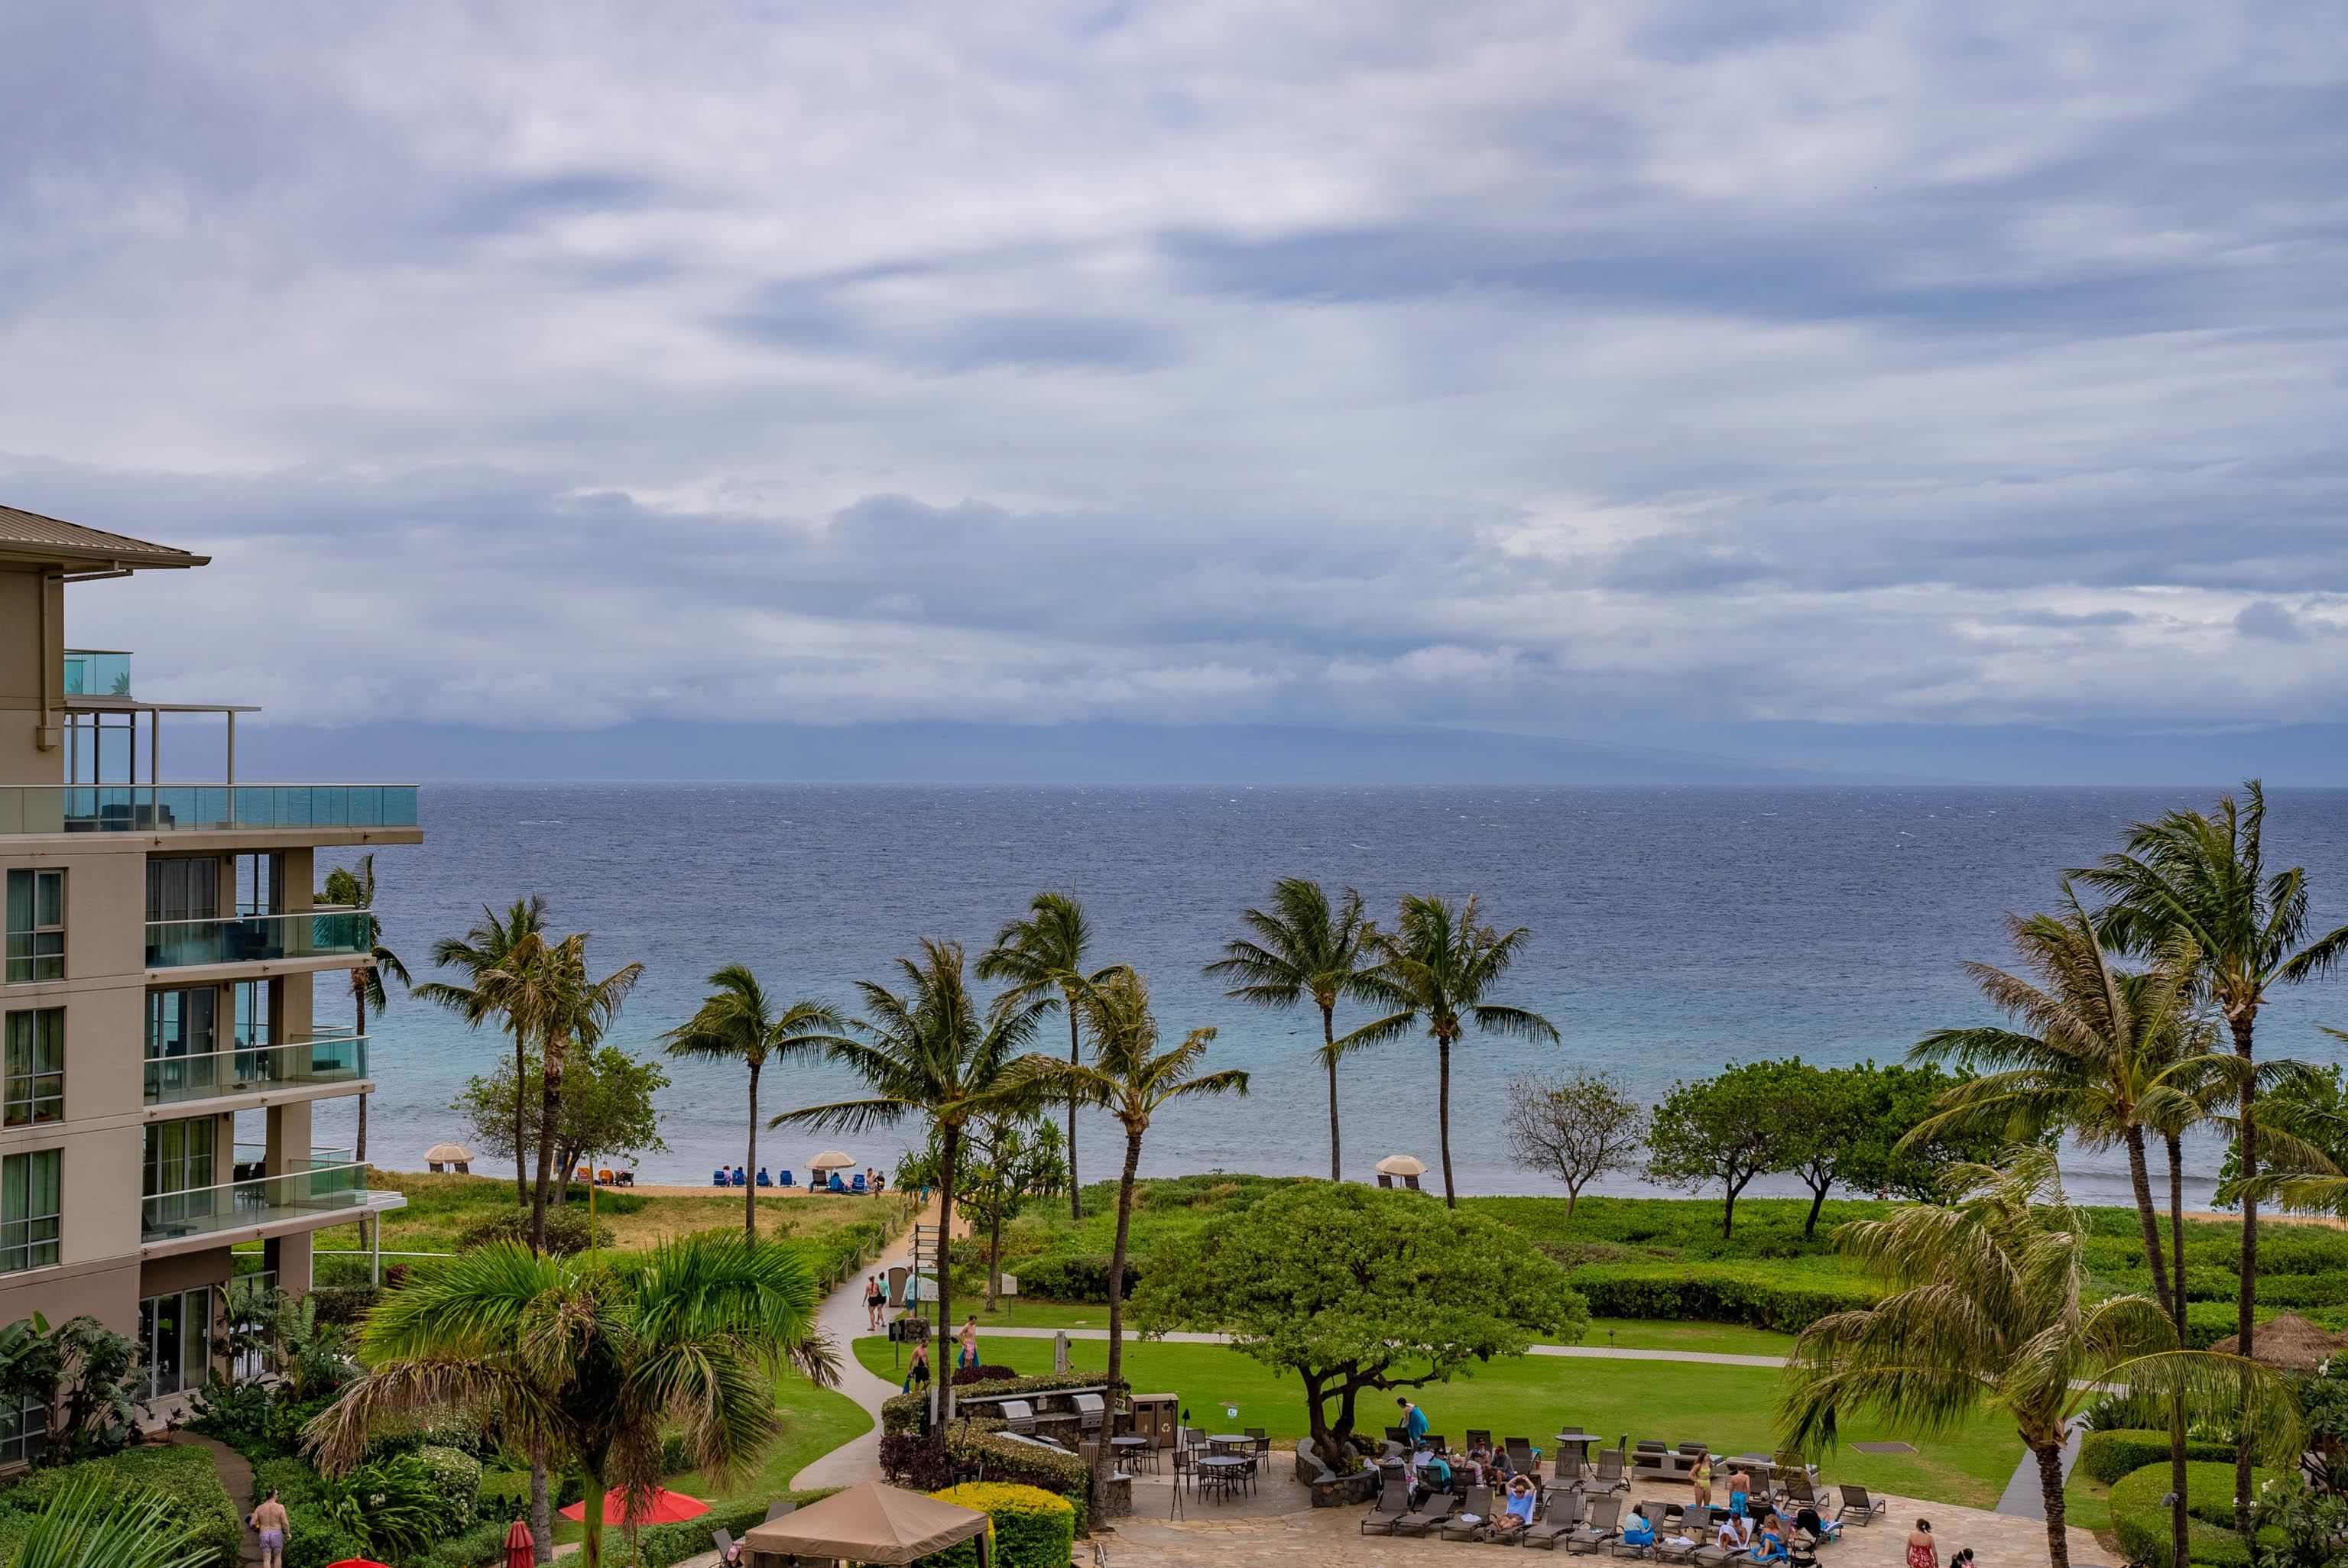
(96,672)
(327,1182)
(193,808)
(321,933)
(329,1056)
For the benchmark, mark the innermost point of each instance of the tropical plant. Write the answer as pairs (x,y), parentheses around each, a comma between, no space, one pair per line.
(1009,1160)
(98,1391)
(1435,967)
(355,890)
(393,1504)
(1133,1080)
(95,1524)
(1303,947)
(738,1022)
(1987,1308)
(2199,878)
(590,1360)
(484,956)
(311,1358)
(1042,959)
(610,1108)
(933,1050)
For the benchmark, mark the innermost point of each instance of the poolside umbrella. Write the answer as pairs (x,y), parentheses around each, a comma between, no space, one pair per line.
(830,1160)
(522,1551)
(1402,1165)
(455,1154)
(359,1562)
(661,1507)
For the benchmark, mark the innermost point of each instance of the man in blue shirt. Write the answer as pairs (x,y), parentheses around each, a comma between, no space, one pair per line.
(1413,1421)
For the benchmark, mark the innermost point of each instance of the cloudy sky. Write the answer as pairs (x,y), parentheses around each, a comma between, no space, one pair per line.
(1638,370)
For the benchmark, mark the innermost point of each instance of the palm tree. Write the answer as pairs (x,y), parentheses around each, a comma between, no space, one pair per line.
(1132,1080)
(1303,947)
(1987,1309)
(593,1358)
(481,955)
(544,987)
(1437,966)
(355,890)
(737,1022)
(2202,878)
(933,1050)
(1043,957)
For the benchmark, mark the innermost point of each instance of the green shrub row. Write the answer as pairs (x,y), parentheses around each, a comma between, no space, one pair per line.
(2111,1456)
(2142,1524)
(1032,1528)
(183,1474)
(1082,1276)
(1713,1293)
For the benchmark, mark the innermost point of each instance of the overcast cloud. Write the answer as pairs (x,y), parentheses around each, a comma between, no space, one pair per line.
(1554,367)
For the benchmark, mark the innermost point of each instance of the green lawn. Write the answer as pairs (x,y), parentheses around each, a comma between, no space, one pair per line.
(1727,1406)
(1628,1333)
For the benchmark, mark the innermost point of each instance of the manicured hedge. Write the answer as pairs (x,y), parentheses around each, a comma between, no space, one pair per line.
(1713,1293)
(1032,1528)
(2110,1455)
(2142,1524)
(1082,1276)
(182,1474)
(902,1412)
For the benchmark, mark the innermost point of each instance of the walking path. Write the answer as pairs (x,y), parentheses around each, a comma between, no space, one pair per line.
(843,1318)
(236,1478)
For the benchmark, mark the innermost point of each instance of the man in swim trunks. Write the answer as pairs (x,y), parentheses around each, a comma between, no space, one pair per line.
(269,1520)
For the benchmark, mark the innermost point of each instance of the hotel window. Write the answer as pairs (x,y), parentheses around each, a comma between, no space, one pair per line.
(176,1331)
(23,1431)
(30,1201)
(33,1056)
(183,888)
(37,926)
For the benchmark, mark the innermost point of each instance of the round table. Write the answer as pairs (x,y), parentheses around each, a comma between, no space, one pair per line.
(1137,1446)
(1221,1463)
(1229,1440)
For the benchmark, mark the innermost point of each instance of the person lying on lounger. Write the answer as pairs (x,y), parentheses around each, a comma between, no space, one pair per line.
(1518,1512)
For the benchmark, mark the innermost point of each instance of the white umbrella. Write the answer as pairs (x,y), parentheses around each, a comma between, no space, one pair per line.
(1401,1165)
(455,1154)
(830,1160)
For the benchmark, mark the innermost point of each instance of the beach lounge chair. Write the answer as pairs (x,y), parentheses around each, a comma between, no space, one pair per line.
(1609,1476)
(1480,1504)
(1856,1500)
(785,1180)
(1394,1501)
(1603,1515)
(718,1178)
(1619,1547)
(1520,1455)
(1398,1435)
(723,1542)
(856,1186)
(765,1180)
(1798,1492)
(778,1507)
(1475,1434)
(1562,1515)
(1421,1521)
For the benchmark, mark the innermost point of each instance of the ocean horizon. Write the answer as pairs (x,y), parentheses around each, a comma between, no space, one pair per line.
(1674,930)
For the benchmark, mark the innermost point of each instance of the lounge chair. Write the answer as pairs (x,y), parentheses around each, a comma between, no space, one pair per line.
(1620,1547)
(1398,1435)
(1798,1492)
(1520,1455)
(1420,1521)
(1603,1515)
(1609,1476)
(785,1180)
(1856,1500)
(1394,1501)
(779,1507)
(1562,1516)
(1480,1504)
(723,1542)
(1476,1435)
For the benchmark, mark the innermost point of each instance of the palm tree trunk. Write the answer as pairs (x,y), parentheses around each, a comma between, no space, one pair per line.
(2248,1299)
(549,1111)
(1329,1053)
(949,1156)
(1443,1113)
(541,1508)
(1076,1058)
(2140,1183)
(2050,1488)
(590,1540)
(993,1257)
(751,1191)
(2179,1529)
(1117,1297)
(521,1148)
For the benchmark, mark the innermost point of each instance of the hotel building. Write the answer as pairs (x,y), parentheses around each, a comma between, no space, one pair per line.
(175,1000)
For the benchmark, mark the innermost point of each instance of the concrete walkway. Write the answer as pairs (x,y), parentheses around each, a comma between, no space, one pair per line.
(844,1320)
(236,1479)
(2025,1497)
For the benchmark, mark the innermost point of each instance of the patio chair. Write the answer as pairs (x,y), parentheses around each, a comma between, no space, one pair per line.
(1398,1435)
(723,1542)
(1604,1514)
(1434,1440)
(778,1507)
(1420,1521)
(1562,1516)
(1394,1501)
(1480,1504)
(785,1180)
(1856,1500)
(1609,1476)
(1520,1455)
(1800,1493)
(1476,1435)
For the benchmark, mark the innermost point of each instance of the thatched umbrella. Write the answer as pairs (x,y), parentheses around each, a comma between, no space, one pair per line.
(2288,1343)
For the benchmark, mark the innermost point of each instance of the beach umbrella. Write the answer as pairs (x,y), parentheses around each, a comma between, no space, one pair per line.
(521,1550)
(1402,1165)
(830,1160)
(359,1562)
(661,1507)
(441,1154)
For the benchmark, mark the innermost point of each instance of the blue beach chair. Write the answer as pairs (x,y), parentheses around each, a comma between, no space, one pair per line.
(858,1185)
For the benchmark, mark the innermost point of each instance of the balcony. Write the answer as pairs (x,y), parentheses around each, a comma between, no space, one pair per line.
(200,808)
(327,1185)
(328,1057)
(321,933)
(96,672)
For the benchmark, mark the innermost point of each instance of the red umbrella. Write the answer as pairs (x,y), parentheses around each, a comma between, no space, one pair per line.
(522,1552)
(359,1562)
(662,1507)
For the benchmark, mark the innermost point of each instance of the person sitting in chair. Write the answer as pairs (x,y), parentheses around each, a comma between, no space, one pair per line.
(1516,1509)
(1638,1530)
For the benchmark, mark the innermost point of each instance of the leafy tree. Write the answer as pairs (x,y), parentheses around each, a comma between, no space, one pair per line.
(607,1109)
(592,1360)
(1043,957)
(1990,1307)
(1435,967)
(1724,1131)
(355,890)
(1356,1288)
(1576,1129)
(737,1022)
(2201,879)
(95,1524)
(1133,1080)
(933,1050)
(483,956)
(1883,1159)
(1009,1160)
(1303,946)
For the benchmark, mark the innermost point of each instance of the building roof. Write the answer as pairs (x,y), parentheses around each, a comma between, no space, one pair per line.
(52,541)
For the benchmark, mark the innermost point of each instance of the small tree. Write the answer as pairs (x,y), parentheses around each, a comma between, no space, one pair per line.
(1008,1161)
(607,1109)
(1886,1158)
(1724,1131)
(1576,1129)
(1355,1288)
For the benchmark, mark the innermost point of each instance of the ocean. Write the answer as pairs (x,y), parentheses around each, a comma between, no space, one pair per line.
(1673,930)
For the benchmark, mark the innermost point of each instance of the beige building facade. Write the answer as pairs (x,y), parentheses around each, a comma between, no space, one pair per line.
(175,998)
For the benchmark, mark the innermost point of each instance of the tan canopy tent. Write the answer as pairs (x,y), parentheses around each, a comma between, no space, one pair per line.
(2287,1342)
(869,1522)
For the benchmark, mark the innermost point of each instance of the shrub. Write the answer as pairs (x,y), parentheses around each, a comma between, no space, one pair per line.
(925,1464)
(1032,1528)
(1716,1293)
(2142,1524)
(965,1376)
(664,1545)
(484,1544)
(315,1541)
(340,1306)
(1081,1278)
(183,1475)
(457,1485)
(2109,1456)
(566,1231)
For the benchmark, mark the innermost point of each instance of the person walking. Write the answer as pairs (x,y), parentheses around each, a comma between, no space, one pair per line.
(1413,1421)
(917,1374)
(269,1522)
(1923,1552)
(874,1299)
(969,1341)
